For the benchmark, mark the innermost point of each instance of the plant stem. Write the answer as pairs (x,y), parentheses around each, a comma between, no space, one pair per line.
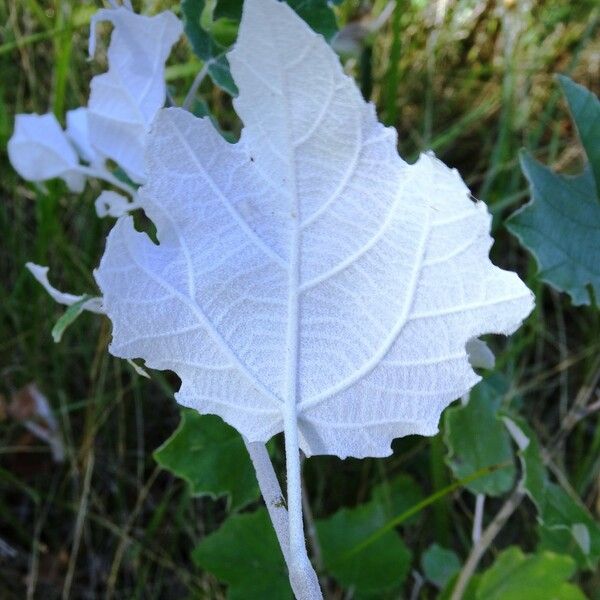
(271,491)
(484,542)
(187,103)
(478,518)
(302,575)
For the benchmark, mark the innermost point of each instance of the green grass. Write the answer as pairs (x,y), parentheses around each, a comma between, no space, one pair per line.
(106,522)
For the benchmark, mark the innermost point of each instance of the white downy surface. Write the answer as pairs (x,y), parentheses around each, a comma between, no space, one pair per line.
(79,134)
(39,150)
(41,275)
(124,100)
(308,263)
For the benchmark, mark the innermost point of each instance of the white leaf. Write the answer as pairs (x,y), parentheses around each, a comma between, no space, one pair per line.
(41,275)
(111,204)
(78,132)
(480,355)
(308,266)
(125,99)
(39,150)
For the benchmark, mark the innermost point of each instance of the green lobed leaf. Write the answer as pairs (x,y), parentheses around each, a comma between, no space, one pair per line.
(205,47)
(476,438)
(565,523)
(439,565)
(517,576)
(560,226)
(385,563)
(245,554)
(211,456)
(585,110)
(68,317)
(317,13)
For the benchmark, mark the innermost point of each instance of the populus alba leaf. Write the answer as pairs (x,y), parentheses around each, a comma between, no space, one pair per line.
(245,554)
(566,525)
(384,564)
(518,576)
(39,150)
(476,438)
(79,134)
(203,44)
(124,100)
(560,226)
(440,565)
(211,457)
(306,270)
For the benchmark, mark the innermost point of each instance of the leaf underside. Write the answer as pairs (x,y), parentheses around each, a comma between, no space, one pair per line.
(307,265)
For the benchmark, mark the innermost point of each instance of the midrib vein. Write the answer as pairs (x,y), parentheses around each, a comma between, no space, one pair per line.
(292,333)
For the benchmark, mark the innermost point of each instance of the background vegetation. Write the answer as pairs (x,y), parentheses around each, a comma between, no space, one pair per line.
(472,80)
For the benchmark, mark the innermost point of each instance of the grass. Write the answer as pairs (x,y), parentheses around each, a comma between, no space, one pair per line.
(474,83)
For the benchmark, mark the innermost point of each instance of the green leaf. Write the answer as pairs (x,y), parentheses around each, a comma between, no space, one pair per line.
(317,13)
(211,456)
(560,226)
(385,563)
(397,496)
(476,438)
(68,317)
(566,524)
(440,564)
(516,576)
(205,47)
(585,110)
(244,553)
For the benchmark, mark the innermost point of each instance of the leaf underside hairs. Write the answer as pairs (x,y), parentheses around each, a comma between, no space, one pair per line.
(307,279)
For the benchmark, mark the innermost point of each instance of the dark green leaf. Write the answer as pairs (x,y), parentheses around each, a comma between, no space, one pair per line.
(228,9)
(211,456)
(68,317)
(516,576)
(244,553)
(397,496)
(565,521)
(317,13)
(585,109)
(440,565)
(385,563)
(203,44)
(560,225)
(476,438)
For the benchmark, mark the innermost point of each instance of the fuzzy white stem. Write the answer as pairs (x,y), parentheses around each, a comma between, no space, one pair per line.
(478,518)
(302,575)
(308,585)
(189,99)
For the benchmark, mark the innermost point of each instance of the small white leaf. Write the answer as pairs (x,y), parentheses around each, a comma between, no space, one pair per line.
(78,132)
(111,204)
(306,270)
(480,355)
(125,99)
(39,150)
(41,275)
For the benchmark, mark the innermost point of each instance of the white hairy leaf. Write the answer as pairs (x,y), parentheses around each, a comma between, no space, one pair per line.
(306,266)
(78,132)
(41,275)
(125,99)
(39,150)
(111,204)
